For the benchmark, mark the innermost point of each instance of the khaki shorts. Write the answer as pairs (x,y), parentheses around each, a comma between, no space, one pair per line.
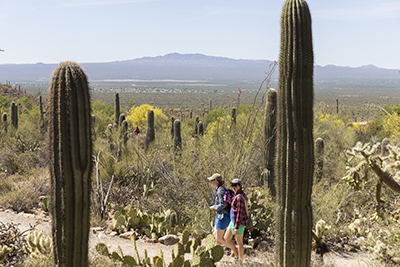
(240,230)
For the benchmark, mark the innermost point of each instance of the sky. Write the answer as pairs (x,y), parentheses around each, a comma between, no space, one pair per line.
(345,32)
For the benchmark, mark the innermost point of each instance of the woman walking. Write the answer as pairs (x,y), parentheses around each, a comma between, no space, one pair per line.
(221,206)
(239,218)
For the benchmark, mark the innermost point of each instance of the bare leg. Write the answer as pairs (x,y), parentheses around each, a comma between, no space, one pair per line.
(219,236)
(239,241)
(229,242)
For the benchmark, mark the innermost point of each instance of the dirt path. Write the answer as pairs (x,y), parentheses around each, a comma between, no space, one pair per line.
(42,222)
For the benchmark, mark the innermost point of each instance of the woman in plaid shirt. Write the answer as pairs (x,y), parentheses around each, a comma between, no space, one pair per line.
(239,217)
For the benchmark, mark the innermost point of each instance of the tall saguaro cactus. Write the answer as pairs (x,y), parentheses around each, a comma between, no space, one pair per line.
(14,115)
(117,111)
(70,150)
(177,135)
(295,146)
(319,151)
(150,136)
(270,139)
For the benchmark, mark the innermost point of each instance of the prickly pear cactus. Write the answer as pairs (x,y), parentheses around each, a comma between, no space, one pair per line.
(70,154)
(185,236)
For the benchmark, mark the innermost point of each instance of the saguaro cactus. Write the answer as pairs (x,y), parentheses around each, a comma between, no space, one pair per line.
(233,117)
(121,119)
(200,128)
(172,127)
(295,146)
(4,121)
(319,151)
(270,139)
(116,109)
(70,150)
(196,122)
(41,118)
(150,128)
(14,115)
(177,135)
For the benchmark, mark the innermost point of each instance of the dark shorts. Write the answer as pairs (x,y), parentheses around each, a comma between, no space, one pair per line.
(222,224)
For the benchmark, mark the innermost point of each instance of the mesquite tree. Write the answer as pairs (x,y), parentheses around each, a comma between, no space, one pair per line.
(70,151)
(295,146)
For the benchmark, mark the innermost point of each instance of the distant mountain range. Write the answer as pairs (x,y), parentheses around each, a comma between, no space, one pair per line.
(195,67)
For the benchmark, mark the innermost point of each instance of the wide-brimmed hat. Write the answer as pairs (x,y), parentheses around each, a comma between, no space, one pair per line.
(215,176)
(236,181)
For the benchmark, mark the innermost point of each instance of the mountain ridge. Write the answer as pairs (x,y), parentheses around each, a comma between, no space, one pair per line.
(188,66)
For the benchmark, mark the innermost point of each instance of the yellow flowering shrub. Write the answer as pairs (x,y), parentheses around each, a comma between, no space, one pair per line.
(137,116)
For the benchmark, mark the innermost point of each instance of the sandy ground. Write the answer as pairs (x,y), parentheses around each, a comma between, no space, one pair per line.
(42,222)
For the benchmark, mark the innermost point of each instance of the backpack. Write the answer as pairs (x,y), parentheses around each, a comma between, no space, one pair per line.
(228,196)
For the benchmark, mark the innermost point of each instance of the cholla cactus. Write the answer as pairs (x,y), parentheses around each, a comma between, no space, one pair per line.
(38,244)
(4,251)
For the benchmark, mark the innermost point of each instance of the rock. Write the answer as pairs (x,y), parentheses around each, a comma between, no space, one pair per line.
(169,239)
(396,260)
(248,250)
(128,235)
(113,233)
(96,229)
(151,241)
(255,242)
(263,246)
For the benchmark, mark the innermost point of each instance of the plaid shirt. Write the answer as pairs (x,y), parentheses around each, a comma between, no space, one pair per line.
(239,208)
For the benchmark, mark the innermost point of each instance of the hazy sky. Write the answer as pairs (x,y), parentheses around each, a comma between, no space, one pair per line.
(346,32)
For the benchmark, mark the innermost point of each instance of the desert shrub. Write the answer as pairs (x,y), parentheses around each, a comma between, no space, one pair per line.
(21,193)
(104,114)
(137,116)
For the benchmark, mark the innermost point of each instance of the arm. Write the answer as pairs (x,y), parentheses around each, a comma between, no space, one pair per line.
(239,211)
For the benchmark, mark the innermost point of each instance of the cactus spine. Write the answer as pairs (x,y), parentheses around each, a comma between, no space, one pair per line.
(270,140)
(117,111)
(14,115)
(295,145)
(150,128)
(70,150)
(319,151)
